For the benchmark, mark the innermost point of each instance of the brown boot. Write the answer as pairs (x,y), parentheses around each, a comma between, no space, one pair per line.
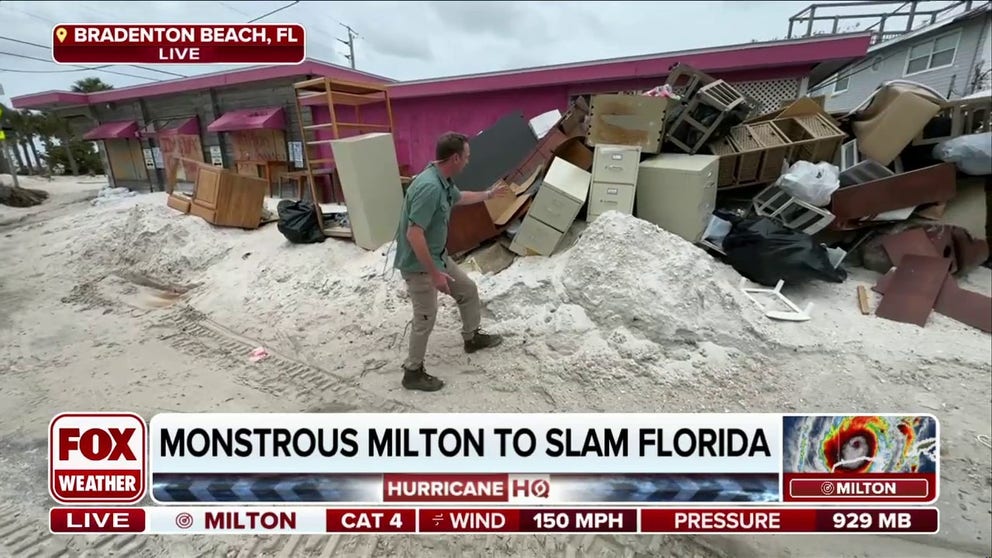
(420,380)
(481,341)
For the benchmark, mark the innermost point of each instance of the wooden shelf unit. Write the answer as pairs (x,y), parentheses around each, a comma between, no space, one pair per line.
(335,93)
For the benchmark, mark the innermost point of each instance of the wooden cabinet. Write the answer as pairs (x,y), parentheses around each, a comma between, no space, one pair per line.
(228,199)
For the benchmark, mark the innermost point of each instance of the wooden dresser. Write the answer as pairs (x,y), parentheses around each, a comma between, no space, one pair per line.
(228,199)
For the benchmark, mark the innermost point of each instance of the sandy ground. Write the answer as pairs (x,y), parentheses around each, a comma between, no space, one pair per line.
(630,319)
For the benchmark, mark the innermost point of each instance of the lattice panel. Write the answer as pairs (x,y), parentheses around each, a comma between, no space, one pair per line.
(764,96)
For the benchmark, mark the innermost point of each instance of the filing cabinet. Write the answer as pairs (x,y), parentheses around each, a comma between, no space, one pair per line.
(606,196)
(535,236)
(614,179)
(558,201)
(677,192)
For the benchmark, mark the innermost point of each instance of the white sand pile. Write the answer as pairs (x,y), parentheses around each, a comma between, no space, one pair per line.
(154,242)
(627,273)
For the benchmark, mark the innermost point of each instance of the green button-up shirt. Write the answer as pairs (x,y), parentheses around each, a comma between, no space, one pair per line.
(428,202)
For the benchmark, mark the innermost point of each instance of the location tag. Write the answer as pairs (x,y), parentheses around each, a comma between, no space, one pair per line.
(61,33)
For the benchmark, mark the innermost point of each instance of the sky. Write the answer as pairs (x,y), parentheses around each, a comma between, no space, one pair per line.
(403,40)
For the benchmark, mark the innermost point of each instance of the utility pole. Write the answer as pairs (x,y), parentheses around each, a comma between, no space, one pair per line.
(351,45)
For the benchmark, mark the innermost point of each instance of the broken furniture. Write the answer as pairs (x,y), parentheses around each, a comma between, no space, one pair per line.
(957,118)
(775,203)
(751,154)
(793,314)
(504,208)
(895,115)
(471,225)
(628,120)
(814,137)
(373,195)
(756,152)
(863,171)
(345,103)
(499,147)
(712,109)
(851,204)
(968,307)
(677,192)
(558,201)
(614,179)
(220,196)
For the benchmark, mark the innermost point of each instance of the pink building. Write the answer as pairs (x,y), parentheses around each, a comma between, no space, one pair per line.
(768,73)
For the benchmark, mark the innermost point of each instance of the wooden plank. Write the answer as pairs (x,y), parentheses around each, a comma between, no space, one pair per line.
(863,300)
(914,289)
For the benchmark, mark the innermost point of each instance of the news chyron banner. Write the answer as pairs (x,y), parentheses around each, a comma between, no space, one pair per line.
(252,43)
(516,473)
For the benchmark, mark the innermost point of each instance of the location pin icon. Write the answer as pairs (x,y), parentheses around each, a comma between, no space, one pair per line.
(60,33)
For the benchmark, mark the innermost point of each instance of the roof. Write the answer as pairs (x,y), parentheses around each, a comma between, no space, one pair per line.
(926,30)
(806,53)
(51,99)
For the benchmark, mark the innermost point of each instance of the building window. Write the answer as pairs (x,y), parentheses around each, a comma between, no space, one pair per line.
(938,53)
(842,82)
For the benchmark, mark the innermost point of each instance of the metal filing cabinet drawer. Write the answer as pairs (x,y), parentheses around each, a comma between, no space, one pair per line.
(555,208)
(606,196)
(535,236)
(616,164)
(561,195)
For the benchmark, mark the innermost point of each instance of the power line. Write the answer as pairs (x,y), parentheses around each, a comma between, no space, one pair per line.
(275,11)
(41,71)
(233,9)
(92,68)
(83,68)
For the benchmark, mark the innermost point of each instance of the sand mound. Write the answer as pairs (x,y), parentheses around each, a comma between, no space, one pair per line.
(625,271)
(155,242)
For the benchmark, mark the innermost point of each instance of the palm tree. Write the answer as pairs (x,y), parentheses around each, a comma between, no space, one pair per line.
(15,119)
(34,127)
(55,126)
(89,85)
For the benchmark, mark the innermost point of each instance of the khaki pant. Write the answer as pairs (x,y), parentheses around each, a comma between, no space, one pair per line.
(423,295)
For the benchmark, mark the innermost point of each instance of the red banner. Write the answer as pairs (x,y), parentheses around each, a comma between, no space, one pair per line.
(179,44)
(789,520)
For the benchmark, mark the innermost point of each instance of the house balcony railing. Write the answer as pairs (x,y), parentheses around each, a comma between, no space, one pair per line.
(885,19)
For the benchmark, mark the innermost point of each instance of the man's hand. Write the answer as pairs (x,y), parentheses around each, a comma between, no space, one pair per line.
(500,189)
(440,280)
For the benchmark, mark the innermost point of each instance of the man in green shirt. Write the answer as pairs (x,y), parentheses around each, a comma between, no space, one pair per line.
(424,263)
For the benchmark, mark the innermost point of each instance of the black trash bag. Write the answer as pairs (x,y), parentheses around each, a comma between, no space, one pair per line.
(298,222)
(766,252)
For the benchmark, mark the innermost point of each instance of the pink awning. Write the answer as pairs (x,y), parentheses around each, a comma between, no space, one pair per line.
(113,130)
(271,118)
(178,127)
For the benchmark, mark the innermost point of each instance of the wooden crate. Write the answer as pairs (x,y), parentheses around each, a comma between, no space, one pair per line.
(750,153)
(724,148)
(776,150)
(828,136)
(802,142)
(721,95)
